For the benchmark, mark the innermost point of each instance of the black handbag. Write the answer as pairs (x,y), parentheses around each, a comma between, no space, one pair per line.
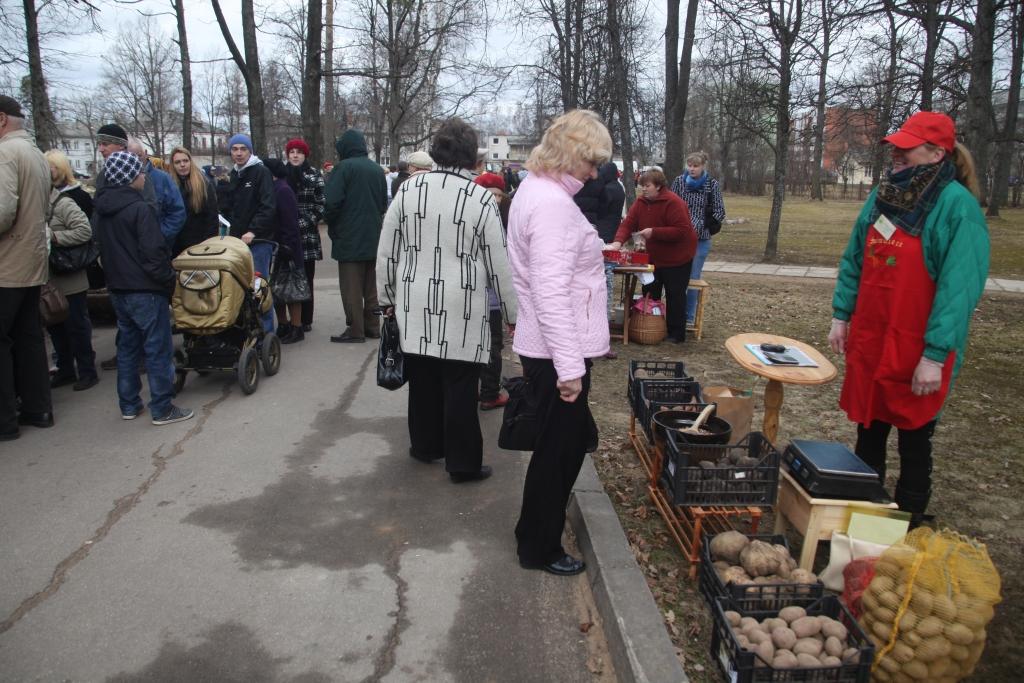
(65,260)
(53,305)
(289,284)
(390,361)
(711,224)
(519,422)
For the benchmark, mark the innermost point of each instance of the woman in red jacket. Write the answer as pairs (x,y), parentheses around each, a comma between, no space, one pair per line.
(663,221)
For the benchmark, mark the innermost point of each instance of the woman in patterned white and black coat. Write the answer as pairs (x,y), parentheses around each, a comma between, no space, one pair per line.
(308,185)
(441,247)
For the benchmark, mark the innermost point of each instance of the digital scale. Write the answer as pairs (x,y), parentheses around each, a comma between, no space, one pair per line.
(827,469)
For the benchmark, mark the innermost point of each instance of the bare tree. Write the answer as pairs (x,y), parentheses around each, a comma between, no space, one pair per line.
(249,67)
(978,132)
(312,76)
(186,74)
(622,96)
(1008,135)
(142,83)
(677,83)
(330,112)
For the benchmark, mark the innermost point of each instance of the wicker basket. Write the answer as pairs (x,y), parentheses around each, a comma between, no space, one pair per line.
(646,329)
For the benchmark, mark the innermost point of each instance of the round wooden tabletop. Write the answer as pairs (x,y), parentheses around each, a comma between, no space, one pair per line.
(787,374)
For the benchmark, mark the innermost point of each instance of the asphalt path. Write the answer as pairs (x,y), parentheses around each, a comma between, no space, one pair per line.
(282,536)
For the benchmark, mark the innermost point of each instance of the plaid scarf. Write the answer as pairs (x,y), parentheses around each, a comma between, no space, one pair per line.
(906,198)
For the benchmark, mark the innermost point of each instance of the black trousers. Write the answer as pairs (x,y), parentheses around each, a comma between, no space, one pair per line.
(914,487)
(24,371)
(675,280)
(307,306)
(72,340)
(562,440)
(490,374)
(443,418)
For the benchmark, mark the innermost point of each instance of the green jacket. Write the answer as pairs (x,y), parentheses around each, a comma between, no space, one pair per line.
(956,254)
(356,198)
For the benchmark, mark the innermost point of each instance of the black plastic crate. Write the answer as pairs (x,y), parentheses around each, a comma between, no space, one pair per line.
(658,394)
(656,369)
(763,596)
(742,666)
(689,484)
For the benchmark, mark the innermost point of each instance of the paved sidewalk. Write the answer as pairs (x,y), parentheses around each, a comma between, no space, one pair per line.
(991,285)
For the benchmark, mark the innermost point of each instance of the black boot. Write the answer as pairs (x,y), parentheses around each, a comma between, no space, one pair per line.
(295,334)
(914,502)
(283,330)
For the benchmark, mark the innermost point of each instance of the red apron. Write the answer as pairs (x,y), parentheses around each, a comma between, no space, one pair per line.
(886,337)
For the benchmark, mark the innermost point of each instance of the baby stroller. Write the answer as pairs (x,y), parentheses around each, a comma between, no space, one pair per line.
(217,305)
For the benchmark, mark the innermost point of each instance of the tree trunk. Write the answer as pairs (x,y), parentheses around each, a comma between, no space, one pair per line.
(888,98)
(47,135)
(931,32)
(677,112)
(621,99)
(819,124)
(330,110)
(311,77)
(1005,146)
(978,133)
(671,67)
(186,76)
(257,113)
(782,125)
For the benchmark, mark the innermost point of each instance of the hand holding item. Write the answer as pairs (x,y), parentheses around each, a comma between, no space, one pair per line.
(646,233)
(837,335)
(927,377)
(569,391)
(248,237)
(613,246)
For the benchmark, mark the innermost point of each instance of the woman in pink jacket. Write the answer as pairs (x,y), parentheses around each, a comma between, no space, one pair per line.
(558,273)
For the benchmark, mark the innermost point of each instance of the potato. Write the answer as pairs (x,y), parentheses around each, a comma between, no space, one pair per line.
(929,626)
(806,661)
(881,583)
(882,630)
(759,559)
(921,602)
(772,623)
(889,600)
(831,660)
(933,648)
(802,576)
(880,676)
(851,655)
(889,664)
(833,628)
(959,653)
(806,626)
(911,638)
(902,652)
(811,646)
(869,600)
(747,623)
(741,638)
(720,566)
(937,668)
(887,568)
(784,638)
(735,575)
(833,646)
(733,618)
(908,621)
(766,651)
(943,607)
(792,613)
(784,659)
(757,636)
(727,545)
(884,614)
(958,634)
(916,669)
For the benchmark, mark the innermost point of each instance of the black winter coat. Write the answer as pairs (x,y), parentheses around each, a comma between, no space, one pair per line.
(198,226)
(601,200)
(133,250)
(251,206)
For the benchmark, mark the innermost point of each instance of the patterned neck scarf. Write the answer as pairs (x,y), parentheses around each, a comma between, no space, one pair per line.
(906,198)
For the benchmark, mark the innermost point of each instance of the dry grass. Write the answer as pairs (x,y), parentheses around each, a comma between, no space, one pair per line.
(815,233)
(979,466)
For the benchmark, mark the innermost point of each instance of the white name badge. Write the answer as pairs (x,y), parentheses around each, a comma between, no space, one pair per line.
(884,226)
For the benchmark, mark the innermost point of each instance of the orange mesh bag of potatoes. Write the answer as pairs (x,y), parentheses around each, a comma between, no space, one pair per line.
(927,607)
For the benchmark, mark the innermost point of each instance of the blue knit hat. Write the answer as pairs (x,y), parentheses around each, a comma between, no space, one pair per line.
(240,139)
(121,168)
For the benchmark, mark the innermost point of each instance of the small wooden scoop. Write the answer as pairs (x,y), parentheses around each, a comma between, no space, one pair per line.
(701,419)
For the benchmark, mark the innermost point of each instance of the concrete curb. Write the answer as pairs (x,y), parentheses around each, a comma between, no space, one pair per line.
(637,642)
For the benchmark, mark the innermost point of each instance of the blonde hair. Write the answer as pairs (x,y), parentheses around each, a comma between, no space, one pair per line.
(965,172)
(578,135)
(59,162)
(195,181)
(697,158)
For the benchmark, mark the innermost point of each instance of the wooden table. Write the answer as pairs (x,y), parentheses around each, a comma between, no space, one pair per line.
(777,375)
(815,518)
(629,279)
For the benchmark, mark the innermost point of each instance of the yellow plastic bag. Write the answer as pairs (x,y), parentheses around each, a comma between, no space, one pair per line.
(927,607)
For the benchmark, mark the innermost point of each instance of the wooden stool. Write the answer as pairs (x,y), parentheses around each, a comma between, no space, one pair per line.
(702,288)
(814,518)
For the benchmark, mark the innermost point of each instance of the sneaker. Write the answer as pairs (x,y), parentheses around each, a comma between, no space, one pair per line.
(132,416)
(496,403)
(295,334)
(175,414)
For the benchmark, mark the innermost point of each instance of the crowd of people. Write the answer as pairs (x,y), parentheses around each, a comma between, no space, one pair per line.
(453,251)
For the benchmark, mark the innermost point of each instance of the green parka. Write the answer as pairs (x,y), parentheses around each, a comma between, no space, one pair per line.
(956,253)
(356,198)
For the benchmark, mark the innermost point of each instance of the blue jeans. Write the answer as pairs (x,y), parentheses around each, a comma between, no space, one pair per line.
(262,252)
(703,247)
(144,329)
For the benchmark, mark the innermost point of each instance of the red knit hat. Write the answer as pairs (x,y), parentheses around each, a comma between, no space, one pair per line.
(922,127)
(489,179)
(297,143)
